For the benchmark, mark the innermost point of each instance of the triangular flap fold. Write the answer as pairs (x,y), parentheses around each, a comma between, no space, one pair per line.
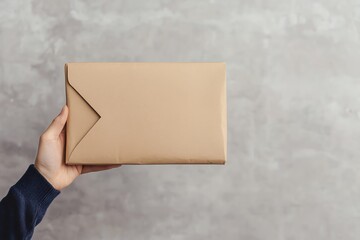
(82,117)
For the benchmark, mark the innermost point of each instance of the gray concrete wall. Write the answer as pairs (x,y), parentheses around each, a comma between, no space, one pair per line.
(293,108)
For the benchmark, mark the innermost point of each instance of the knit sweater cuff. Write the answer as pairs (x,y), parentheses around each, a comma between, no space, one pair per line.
(36,188)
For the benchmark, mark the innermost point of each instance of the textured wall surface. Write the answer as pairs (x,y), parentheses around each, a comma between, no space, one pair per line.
(293,109)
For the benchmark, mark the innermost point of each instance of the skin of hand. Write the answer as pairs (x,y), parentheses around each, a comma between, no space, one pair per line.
(50,159)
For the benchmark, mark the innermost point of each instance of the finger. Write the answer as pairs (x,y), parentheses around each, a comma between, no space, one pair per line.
(97,168)
(57,125)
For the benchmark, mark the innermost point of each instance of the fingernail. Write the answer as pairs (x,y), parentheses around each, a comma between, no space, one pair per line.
(62,110)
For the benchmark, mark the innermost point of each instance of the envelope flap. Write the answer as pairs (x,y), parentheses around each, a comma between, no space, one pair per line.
(85,83)
(82,117)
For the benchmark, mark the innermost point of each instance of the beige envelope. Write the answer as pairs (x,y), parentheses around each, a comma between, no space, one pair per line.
(146,113)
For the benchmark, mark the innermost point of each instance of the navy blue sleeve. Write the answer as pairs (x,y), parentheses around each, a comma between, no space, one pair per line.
(25,205)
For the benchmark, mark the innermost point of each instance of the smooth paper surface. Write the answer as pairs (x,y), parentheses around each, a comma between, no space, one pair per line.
(146,113)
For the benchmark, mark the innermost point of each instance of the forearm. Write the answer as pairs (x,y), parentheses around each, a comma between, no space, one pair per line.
(25,205)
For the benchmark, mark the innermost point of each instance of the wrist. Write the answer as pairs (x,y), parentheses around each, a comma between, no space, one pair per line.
(46,175)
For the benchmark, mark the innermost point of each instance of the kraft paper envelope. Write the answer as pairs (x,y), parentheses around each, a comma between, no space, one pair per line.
(146,113)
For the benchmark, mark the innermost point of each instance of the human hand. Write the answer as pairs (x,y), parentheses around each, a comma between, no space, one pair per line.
(50,159)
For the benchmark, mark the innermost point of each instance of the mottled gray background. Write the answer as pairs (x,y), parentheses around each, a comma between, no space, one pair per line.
(293,109)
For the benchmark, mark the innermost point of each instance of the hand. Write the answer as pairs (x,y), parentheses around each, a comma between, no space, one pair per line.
(50,159)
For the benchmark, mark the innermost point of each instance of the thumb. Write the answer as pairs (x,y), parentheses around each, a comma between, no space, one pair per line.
(57,124)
